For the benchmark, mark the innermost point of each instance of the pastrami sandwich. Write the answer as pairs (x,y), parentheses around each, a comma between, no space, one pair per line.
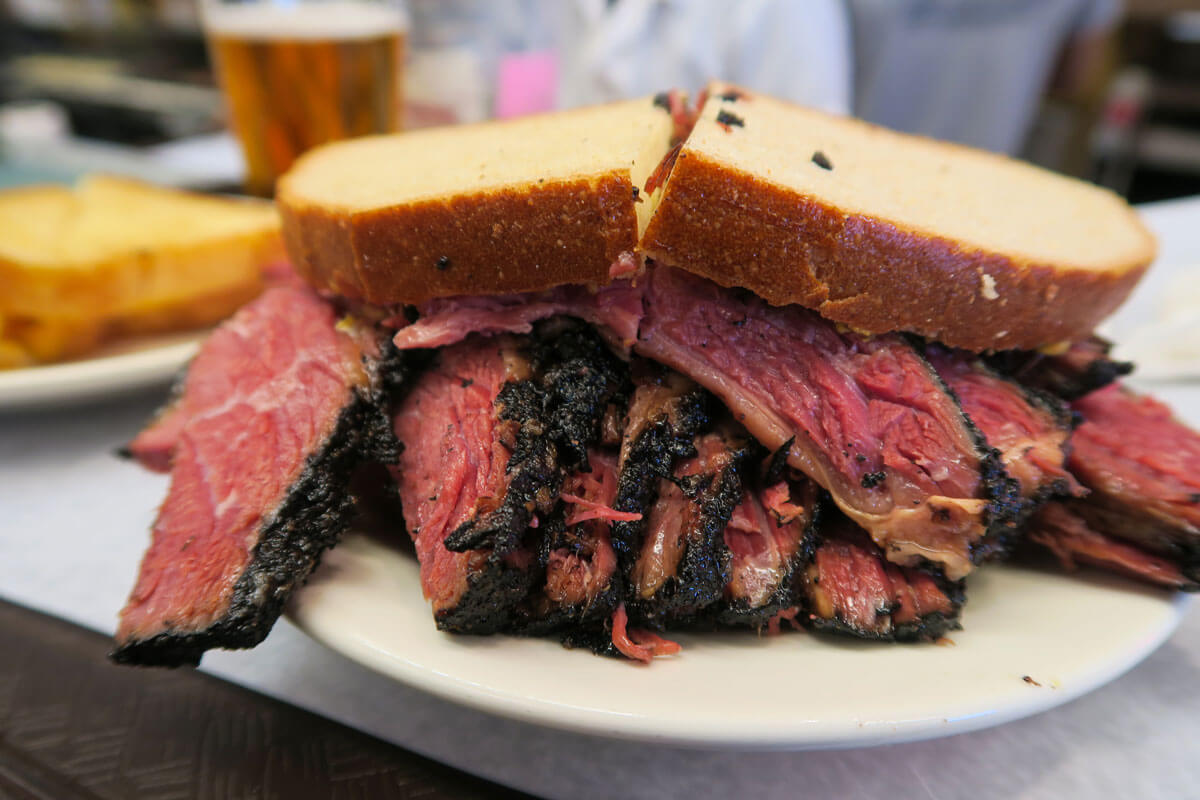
(632,369)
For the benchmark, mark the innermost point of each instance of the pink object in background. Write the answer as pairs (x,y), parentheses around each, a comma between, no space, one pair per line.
(527,83)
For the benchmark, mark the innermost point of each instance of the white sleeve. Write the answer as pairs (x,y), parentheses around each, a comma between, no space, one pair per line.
(795,50)
(1098,15)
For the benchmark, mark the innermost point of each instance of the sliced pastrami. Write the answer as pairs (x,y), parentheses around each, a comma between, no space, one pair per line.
(490,430)
(770,539)
(582,586)
(868,418)
(666,412)
(636,644)
(1143,469)
(851,588)
(615,309)
(1068,536)
(1030,429)
(155,444)
(575,381)
(204,387)
(281,407)
(1082,368)
(683,563)
(456,451)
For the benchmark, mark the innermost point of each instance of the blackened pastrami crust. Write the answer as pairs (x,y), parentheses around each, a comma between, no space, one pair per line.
(1006,522)
(928,628)
(311,518)
(545,618)
(597,638)
(777,466)
(703,571)
(1142,529)
(1083,369)
(490,601)
(558,413)
(740,613)
(1003,494)
(651,458)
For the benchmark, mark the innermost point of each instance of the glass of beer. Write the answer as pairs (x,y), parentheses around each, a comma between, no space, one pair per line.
(300,73)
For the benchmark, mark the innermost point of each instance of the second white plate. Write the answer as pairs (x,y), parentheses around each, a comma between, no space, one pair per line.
(1032,641)
(132,364)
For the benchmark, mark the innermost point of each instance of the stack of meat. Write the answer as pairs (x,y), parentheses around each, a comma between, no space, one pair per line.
(661,455)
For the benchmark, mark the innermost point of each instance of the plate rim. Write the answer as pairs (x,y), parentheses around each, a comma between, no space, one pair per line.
(153,361)
(633,727)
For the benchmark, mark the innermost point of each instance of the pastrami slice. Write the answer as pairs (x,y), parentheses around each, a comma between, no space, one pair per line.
(615,310)
(280,409)
(770,537)
(1030,431)
(574,382)
(454,461)
(1082,368)
(683,564)
(666,412)
(850,588)
(869,419)
(1073,542)
(490,431)
(154,445)
(582,587)
(1142,466)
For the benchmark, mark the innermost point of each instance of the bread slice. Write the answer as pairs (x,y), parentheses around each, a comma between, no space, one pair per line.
(112,247)
(26,341)
(510,206)
(882,231)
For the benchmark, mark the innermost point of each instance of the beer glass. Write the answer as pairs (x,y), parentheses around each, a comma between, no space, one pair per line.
(298,73)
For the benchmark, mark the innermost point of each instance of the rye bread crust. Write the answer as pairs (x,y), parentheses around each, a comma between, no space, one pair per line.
(526,238)
(739,230)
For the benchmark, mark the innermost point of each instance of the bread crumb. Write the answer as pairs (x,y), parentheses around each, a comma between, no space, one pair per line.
(987,286)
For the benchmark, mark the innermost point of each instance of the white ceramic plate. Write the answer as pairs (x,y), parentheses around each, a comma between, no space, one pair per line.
(130,365)
(1068,634)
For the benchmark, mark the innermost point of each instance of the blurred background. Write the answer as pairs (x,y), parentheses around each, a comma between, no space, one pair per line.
(1101,89)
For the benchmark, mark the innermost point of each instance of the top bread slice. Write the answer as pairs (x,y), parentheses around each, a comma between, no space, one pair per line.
(507,206)
(883,231)
(115,247)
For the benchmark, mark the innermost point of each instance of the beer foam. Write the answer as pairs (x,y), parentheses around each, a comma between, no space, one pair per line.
(335,19)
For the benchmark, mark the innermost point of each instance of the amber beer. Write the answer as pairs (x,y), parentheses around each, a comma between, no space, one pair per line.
(297,76)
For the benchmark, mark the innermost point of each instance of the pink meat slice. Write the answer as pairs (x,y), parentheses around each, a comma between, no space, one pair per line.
(867,418)
(263,395)
(853,588)
(615,309)
(764,537)
(577,575)
(154,446)
(672,523)
(453,464)
(1073,542)
(1131,451)
(1032,440)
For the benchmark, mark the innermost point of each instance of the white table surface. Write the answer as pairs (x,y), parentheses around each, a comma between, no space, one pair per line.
(73,523)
